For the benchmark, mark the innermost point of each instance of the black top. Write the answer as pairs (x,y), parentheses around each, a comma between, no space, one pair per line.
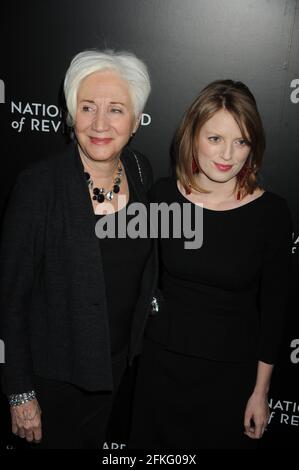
(227,299)
(123,260)
(54,318)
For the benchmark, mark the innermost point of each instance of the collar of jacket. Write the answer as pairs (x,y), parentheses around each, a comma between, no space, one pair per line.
(70,174)
(128,160)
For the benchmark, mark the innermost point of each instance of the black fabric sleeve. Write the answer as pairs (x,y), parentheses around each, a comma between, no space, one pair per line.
(19,259)
(275,280)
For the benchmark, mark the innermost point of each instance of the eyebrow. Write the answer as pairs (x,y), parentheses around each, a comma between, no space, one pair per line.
(216,134)
(111,102)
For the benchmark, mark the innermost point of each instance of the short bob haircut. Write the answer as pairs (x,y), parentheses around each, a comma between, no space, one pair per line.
(237,99)
(125,64)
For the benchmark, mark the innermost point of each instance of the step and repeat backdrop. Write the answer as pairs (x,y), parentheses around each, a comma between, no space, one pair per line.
(186,44)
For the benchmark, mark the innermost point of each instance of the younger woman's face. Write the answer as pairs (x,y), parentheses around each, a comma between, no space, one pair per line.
(221,149)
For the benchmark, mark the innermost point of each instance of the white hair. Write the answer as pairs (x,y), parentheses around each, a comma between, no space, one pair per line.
(125,64)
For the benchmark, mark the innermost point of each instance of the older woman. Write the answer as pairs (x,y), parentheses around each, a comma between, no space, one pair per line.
(73,305)
(205,371)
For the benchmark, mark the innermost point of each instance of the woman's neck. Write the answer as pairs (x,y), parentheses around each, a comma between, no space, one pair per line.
(99,169)
(218,192)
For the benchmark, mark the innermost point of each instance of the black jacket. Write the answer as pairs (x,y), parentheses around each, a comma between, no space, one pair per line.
(53,306)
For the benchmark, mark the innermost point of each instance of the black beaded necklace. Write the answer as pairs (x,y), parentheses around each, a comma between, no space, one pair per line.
(99,194)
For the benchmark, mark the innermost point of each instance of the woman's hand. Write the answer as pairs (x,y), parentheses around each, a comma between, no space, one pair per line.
(256,415)
(26,421)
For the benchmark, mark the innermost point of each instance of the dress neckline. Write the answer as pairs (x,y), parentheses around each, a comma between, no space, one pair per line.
(250,203)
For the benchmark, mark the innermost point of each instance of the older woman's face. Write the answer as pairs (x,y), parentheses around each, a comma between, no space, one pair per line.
(221,149)
(105,117)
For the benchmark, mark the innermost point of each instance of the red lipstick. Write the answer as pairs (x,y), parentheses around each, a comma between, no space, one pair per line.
(222,167)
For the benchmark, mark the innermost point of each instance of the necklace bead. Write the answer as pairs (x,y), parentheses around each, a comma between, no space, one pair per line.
(100,198)
(99,194)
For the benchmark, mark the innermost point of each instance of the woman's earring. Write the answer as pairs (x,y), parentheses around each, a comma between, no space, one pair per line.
(242,176)
(195,168)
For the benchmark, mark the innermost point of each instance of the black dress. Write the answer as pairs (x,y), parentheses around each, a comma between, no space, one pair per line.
(123,260)
(223,311)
